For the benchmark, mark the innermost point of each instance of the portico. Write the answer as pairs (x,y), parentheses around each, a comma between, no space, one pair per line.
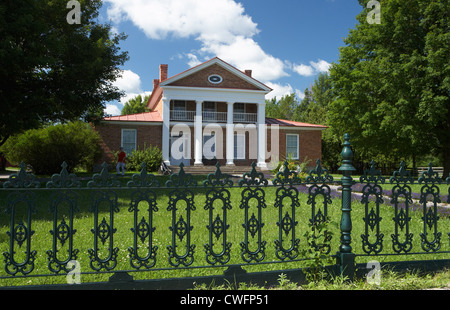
(214,95)
(201,119)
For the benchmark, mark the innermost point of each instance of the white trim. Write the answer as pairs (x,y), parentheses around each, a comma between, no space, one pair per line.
(215,95)
(298,146)
(223,89)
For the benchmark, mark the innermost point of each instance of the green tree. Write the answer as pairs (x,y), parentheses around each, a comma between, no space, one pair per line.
(301,113)
(313,109)
(53,71)
(391,83)
(45,149)
(136,105)
(284,108)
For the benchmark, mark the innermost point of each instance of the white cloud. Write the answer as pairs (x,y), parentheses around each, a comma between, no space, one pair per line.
(185,18)
(193,60)
(300,94)
(228,35)
(245,53)
(303,70)
(321,66)
(129,96)
(112,109)
(314,68)
(129,82)
(280,90)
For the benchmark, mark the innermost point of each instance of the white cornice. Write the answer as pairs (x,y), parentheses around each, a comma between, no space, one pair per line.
(214,94)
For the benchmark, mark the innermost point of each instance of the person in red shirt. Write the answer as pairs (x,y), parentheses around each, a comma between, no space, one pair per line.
(121,162)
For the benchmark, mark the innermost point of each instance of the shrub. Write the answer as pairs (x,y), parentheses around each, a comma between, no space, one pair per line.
(47,148)
(152,156)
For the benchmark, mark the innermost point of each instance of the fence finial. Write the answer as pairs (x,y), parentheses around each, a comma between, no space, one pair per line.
(347,155)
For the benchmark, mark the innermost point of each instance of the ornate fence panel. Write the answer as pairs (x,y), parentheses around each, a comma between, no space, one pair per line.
(397,213)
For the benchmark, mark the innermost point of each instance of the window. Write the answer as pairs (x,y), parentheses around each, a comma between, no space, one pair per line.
(129,140)
(179,105)
(292,146)
(209,111)
(239,112)
(239,108)
(179,110)
(239,146)
(215,79)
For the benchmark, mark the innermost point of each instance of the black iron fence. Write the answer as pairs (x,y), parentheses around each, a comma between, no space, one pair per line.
(151,232)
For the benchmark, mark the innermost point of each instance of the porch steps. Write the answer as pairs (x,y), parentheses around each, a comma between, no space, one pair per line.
(205,170)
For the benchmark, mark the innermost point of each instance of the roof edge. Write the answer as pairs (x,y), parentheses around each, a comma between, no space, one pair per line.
(216,60)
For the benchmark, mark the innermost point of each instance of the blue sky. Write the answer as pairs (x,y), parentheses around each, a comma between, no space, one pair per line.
(286,43)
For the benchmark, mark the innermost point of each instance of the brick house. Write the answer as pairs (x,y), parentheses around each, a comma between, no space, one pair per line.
(211,112)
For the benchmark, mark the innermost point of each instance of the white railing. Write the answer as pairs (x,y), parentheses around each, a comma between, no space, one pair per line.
(182,115)
(220,117)
(245,117)
(208,117)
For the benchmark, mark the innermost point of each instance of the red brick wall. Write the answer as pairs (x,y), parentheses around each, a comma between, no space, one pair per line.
(111,135)
(200,79)
(310,145)
(310,142)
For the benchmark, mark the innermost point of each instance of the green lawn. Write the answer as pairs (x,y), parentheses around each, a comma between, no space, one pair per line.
(123,221)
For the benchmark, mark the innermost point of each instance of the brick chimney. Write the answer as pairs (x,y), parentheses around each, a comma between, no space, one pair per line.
(155,84)
(248,72)
(163,72)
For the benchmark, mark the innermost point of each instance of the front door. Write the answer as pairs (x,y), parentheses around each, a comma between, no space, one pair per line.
(209,149)
(180,150)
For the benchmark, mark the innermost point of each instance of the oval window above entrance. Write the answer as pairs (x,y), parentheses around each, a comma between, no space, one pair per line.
(215,79)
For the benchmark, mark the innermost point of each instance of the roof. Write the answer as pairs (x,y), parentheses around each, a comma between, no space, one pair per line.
(217,60)
(155,97)
(157,93)
(140,117)
(287,123)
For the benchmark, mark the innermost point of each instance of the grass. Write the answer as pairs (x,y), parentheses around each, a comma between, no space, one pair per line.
(123,221)
(389,280)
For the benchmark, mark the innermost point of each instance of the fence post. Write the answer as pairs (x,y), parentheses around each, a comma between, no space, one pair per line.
(346,258)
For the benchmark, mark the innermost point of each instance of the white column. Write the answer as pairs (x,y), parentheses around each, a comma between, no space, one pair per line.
(198,132)
(262,135)
(166,131)
(230,134)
